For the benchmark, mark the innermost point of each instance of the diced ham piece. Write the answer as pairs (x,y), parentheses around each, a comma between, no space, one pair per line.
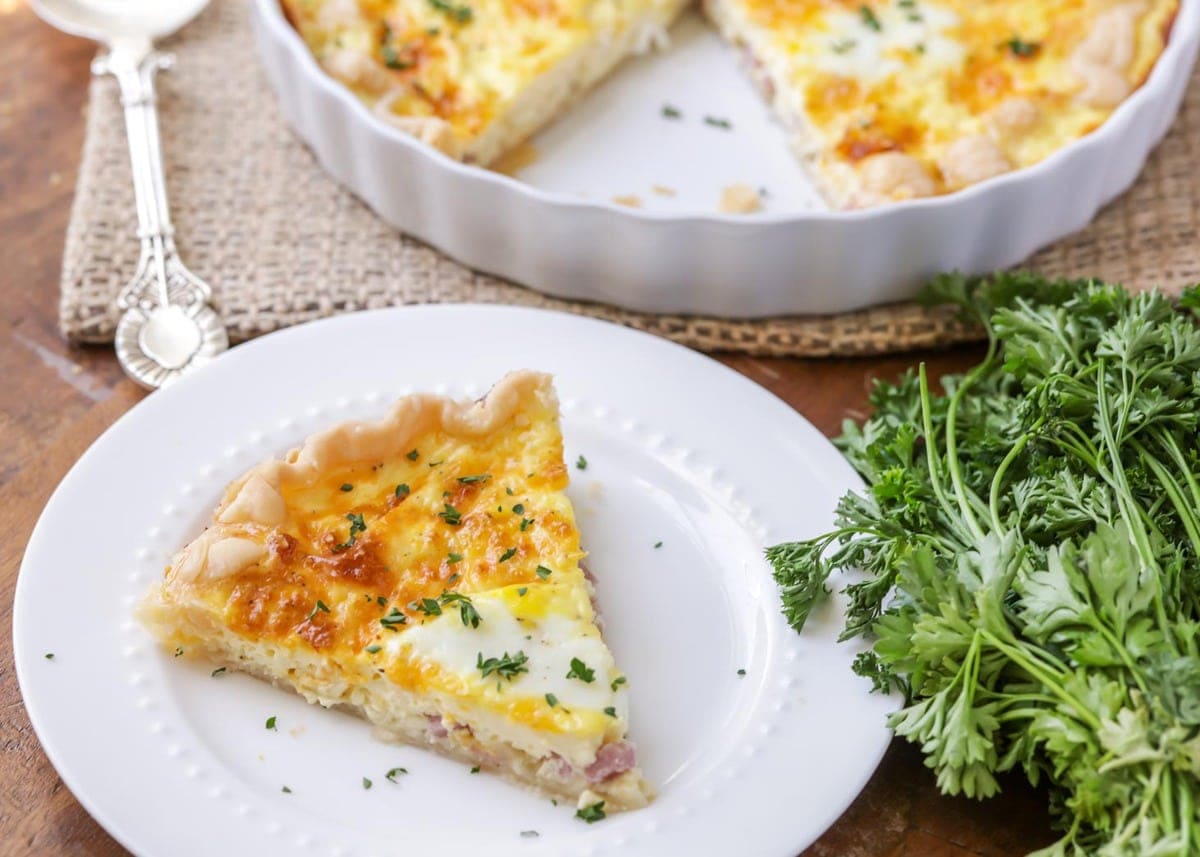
(612,759)
(436,727)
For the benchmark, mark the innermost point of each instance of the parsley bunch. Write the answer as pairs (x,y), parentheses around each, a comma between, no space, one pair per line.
(1030,540)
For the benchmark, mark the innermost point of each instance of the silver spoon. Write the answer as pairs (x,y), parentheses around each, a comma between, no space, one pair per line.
(168,327)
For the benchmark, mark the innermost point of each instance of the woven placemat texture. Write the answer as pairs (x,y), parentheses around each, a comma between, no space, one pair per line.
(281,243)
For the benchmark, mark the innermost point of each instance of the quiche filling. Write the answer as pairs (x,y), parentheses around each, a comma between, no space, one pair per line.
(475,77)
(896,99)
(883,100)
(424,573)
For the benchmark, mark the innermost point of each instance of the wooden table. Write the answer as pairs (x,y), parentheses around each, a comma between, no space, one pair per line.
(56,399)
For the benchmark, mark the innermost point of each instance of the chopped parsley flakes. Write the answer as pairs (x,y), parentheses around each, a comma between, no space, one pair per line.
(452,558)
(543,572)
(472,480)
(470,616)
(591,814)
(870,19)
(716,122)
(610,711)
(581,671)
(357,525)
(366,783)
(1020,48)
(450,515)
(271,723)
(581,463)
(430,607)
(218,671)
(373,649)
(671,112)
(412,455)
(459,12)
(507,555)
(506,666)
(551,700)
(392,619)
(320,605)
(346,486)
(402,490)
(394,772)
(617,682)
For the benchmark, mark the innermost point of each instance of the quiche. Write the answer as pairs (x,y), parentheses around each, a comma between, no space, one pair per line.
(882,101)
(475,77)
(423,572)
(889,100)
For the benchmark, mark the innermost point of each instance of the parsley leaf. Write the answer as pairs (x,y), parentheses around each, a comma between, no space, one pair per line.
(459,12)
(466,610)
(591,814)
(1022,49)
(581,671)
(393,619)
(506,666)
(357,525)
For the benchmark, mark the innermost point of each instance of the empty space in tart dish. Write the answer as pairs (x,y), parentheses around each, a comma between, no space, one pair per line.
(623,139)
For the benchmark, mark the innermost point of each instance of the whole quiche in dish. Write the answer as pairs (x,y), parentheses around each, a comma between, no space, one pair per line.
(882,101)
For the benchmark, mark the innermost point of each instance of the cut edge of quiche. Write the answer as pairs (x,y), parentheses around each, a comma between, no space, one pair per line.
(423,572)
(418,78)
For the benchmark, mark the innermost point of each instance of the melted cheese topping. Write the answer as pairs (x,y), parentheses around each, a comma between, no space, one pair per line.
(422,566)
(1017,79)
(464,62)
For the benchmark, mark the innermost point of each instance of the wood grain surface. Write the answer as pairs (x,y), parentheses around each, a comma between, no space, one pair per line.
(55,400)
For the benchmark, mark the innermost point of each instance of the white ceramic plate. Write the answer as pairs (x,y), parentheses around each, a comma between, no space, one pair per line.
(680,450)
(555,228)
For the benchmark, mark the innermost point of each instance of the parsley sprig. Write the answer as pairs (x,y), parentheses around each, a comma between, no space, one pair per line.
(1030,541)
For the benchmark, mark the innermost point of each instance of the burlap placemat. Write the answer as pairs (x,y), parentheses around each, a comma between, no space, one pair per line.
(281,243)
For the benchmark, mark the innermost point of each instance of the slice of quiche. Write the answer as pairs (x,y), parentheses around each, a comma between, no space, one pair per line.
(423,572)
(475,77)
(887,100)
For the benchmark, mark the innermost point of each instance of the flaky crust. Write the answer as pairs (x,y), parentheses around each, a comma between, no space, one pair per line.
(255,499)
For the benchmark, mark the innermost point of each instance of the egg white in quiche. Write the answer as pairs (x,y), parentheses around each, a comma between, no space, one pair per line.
(886,100)
(423,572)
(475,77)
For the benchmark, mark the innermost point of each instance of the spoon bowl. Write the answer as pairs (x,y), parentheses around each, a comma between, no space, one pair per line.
(108,20)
